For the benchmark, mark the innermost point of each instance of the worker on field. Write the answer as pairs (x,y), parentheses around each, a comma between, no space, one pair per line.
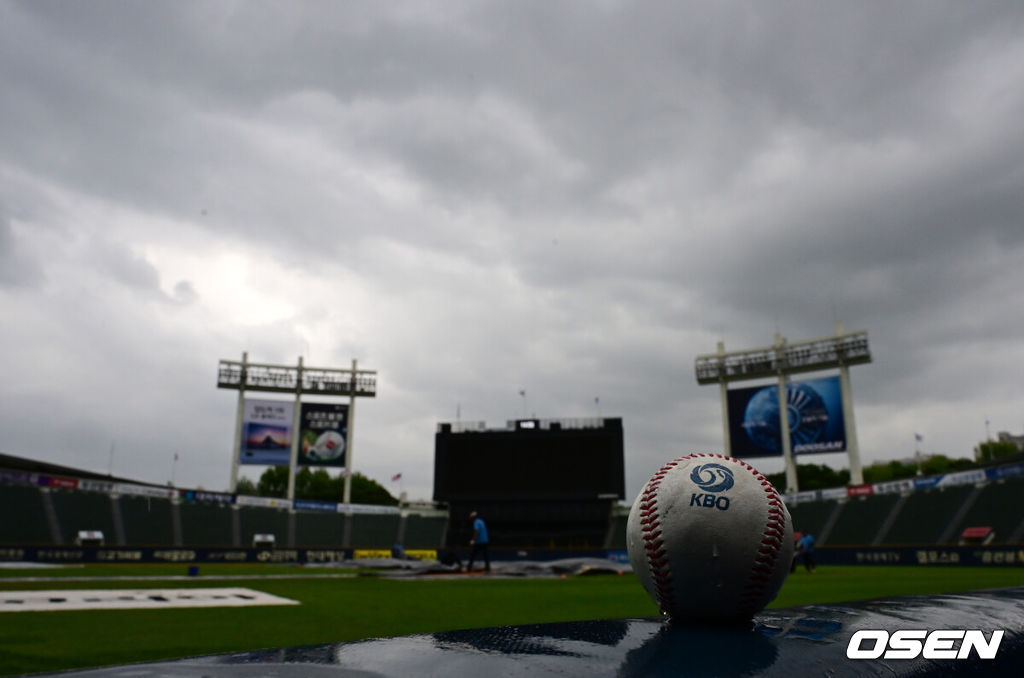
(807,551)
(480,542)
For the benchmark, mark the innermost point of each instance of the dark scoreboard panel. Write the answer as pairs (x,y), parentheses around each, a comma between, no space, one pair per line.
(530,462)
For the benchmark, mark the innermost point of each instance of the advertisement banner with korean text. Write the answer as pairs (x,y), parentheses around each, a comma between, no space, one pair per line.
(814,409)
(267,432)
(323,434)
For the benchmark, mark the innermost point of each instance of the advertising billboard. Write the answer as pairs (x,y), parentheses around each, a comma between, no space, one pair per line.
(323,434)
(814,409)
(267,432)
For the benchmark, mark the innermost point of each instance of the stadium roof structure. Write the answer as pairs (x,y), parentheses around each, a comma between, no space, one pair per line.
(25,465)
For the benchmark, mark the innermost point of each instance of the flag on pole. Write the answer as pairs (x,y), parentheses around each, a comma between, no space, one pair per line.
(918,437)
(395,478)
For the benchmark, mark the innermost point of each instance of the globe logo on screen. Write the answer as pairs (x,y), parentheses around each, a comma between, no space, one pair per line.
(712,477)
(805,409)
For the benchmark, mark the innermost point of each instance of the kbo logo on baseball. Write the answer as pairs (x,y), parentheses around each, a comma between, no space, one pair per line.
(711,478)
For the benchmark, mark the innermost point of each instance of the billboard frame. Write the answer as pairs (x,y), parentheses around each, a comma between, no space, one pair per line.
(780,361)
(301,380)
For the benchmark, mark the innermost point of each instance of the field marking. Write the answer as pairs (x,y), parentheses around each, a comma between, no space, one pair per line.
(134,599)
(176,577)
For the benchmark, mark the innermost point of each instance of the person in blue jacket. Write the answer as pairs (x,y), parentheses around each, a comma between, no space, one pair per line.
(806,551)
(480,542)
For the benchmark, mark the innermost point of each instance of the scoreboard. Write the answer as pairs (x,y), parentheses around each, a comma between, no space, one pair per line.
(530,460)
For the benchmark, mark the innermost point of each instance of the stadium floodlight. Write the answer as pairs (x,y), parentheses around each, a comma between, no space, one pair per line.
(247,376)
(781,360)
(299,380)
(805,356)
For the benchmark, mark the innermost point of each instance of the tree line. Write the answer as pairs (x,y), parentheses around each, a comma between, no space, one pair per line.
(318,485)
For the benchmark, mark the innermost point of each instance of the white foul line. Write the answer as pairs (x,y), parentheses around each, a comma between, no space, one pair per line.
(134,599)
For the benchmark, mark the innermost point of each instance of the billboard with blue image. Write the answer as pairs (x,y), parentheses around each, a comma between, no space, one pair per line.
(267,432)
(814,409)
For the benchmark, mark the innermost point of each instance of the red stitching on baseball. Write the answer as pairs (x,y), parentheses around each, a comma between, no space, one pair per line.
(657,558)
(767,557)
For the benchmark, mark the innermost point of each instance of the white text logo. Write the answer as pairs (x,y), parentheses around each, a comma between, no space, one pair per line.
(912,643)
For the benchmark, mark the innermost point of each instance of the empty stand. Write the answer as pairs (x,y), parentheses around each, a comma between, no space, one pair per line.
(83,511)
(616,537)
(812,517)
(997,505)
(24,516)
(424,532)
(374,531)
(318,530)
(860,520)
(207,525)
(259,520)
(925,516)
(147,521)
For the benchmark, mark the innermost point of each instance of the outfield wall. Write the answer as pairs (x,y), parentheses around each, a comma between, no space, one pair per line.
(978,556)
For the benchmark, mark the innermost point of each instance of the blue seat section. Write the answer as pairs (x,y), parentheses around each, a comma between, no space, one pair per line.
(24,520)
(206,524)
(925,516)
(424,532)
(861,519)
(374,531)
(259,520)
(79,510)
(313,530)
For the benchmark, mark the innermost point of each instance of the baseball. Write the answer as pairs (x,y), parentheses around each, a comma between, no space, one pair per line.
(710,539)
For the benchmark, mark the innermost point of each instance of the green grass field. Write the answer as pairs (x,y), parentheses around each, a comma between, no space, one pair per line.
(339,609)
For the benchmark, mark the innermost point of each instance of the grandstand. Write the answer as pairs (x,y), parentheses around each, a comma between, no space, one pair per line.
(52,510)
(926,517)
(208,525)
(932,517)
(857,521)
(32,526)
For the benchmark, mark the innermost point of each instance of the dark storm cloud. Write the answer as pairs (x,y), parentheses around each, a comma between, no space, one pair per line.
(482,197)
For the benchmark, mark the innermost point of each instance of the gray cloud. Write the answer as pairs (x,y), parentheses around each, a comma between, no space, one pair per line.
(476,198)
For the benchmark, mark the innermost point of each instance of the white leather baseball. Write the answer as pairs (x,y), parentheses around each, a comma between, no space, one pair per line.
(710,539)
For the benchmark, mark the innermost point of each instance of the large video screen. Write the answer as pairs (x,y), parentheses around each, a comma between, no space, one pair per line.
(814,409)
(527,463)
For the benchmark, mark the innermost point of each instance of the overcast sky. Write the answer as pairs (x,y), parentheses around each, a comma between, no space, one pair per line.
(574,199)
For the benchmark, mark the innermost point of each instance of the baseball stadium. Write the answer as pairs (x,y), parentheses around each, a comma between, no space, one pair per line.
(509,571)
(367,588)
